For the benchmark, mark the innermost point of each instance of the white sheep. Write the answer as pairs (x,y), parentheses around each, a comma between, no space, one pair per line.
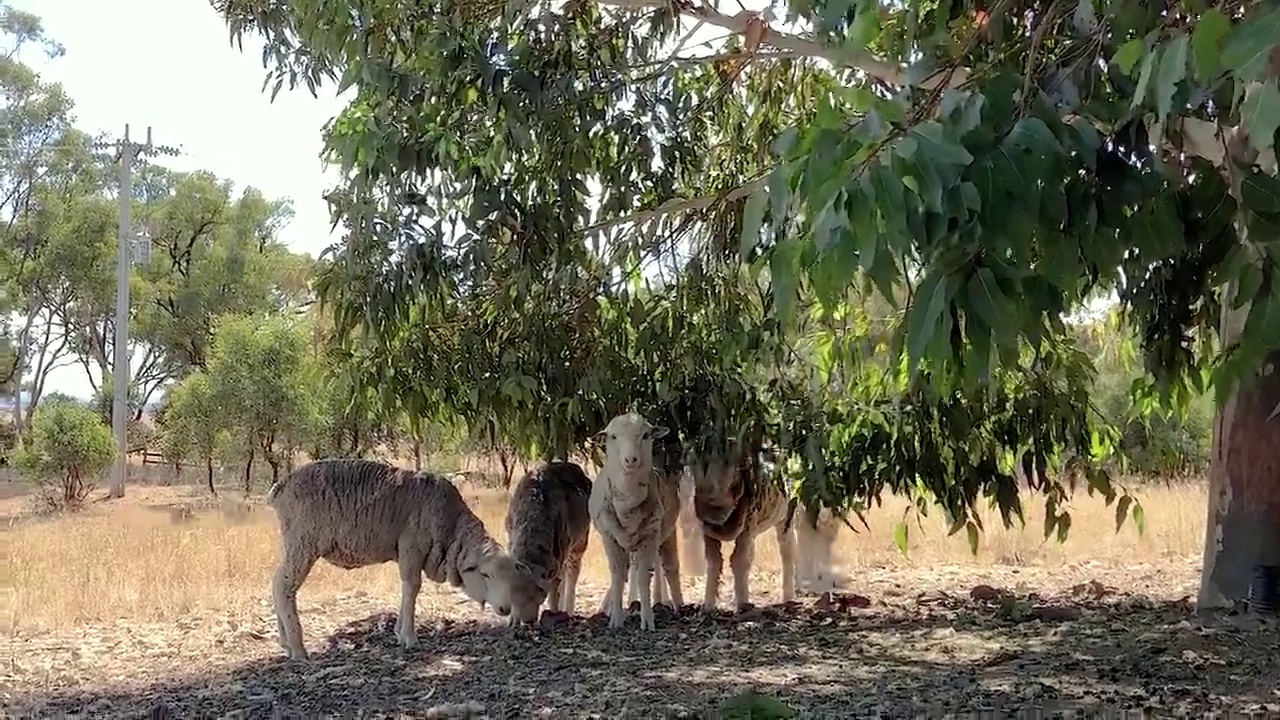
(548,524)
(355,513)
(632,509)
(735,502)
(816,534)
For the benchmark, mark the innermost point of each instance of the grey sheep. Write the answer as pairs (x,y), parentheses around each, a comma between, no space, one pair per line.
(735,502)
(632,509)
(548,523)
(355,513)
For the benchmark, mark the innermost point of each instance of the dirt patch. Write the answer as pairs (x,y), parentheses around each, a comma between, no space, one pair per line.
(1076,643)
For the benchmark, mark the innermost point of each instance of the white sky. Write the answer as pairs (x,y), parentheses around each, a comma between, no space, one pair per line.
(170,64)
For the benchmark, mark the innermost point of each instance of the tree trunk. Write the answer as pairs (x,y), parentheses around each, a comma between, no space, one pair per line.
(1243,527)
(208,474)
(248,473)
(417,455)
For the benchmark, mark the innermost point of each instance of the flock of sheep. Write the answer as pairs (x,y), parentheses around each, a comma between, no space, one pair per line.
(355,513)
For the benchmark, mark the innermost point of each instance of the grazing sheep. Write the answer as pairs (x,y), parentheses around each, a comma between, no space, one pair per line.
(632,510)
(735,502)
(355,513)
(548,524)
(815,535)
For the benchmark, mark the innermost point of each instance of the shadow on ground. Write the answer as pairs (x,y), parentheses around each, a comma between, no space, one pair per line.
(931,656)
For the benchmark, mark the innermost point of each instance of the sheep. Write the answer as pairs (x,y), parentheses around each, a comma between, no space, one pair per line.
(355,513)
(815,535)
(735,502)
(631,508)
(668,463)
(548,524)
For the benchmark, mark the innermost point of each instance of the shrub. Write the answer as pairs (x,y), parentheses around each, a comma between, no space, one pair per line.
(67,449)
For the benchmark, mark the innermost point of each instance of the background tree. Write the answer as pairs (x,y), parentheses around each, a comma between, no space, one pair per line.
(264,386)
(993,163)
(69,447)
(192,424)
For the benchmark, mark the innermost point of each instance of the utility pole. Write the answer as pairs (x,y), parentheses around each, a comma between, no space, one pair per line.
(127,152)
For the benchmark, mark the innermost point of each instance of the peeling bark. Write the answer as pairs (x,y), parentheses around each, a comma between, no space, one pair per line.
(1243,526)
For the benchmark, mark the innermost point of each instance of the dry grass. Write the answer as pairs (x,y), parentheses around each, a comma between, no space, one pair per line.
(164,553)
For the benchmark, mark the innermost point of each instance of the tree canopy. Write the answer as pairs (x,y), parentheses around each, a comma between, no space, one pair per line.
(215,247)
(555,211)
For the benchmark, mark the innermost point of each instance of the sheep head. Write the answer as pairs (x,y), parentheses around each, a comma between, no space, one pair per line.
(493,581)
(628,442)
(529,592)
(719,482)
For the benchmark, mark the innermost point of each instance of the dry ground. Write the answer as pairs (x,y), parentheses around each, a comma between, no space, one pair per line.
(159,604)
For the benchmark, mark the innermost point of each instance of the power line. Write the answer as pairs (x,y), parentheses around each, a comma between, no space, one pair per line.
(127,152)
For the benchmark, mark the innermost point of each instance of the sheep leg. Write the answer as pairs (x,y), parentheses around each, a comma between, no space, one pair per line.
(553,594)
(410,585)
(669,555)
(824,570)
(691,528)
(646,557)
(711,551)
(619,567)
(290,574)
(659,587)
(804,554)
(787,553)
(568,597)
(633,591)
(740,561)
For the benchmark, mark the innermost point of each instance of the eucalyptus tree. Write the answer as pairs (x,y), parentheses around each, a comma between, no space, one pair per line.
(987,165)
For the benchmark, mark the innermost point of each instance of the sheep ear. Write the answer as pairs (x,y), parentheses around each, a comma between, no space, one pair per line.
(660,431)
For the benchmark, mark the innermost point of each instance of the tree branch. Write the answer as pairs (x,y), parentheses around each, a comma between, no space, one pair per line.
(1199,136)
(674,207)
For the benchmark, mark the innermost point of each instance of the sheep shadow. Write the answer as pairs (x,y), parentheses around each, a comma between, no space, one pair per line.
(951,655)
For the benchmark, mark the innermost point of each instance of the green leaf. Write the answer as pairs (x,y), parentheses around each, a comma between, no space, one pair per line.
(1128,55)
(1122,510)
(1139,518)
(1260,192)
(1144,79)
(1260,113)
(751,705)
(1206,43)
(1173,68)
(1247,48)
(1064,526)
(1032,134)
(986,298)
(900,536)
(941,148)
(752,219)
(1247,287)
(972,531)
(865,27)
(926,309)
(784,277)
